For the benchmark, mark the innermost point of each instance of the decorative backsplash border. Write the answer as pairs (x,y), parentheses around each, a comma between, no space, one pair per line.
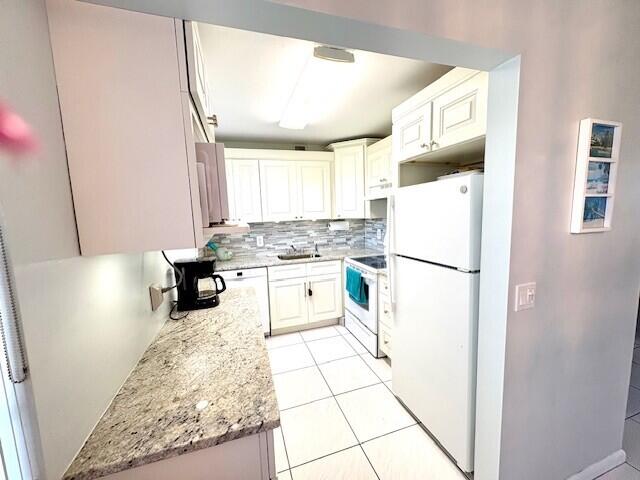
(279,236)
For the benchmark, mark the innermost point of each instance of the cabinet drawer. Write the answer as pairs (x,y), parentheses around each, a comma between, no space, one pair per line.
(385,312)
(384,338)
(282,272)
(323,268)
(383,285)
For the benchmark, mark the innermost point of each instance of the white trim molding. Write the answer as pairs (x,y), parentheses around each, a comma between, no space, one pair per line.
(601,467)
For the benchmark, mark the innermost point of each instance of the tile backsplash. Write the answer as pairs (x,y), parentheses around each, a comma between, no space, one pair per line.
(278,236)
(371,228)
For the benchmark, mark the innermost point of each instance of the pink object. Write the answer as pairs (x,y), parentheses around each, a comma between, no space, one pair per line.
(15,134)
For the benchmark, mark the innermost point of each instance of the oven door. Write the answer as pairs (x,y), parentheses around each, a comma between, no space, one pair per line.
(366,313)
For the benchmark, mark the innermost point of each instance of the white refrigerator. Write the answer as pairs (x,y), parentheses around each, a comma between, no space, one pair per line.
(434,248)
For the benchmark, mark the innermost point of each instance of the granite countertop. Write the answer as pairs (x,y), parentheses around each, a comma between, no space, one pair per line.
(271,259)
(216,355)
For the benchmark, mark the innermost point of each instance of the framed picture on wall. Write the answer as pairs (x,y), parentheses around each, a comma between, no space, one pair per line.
(595,177)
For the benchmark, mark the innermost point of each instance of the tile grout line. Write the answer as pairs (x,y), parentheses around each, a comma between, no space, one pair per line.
(359,444)
(315,364)
(374,372)
(339,334)
(333,395)
(286,453)
(637,469)
(331,391)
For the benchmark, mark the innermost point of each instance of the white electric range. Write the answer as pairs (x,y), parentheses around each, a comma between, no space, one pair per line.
(362,319)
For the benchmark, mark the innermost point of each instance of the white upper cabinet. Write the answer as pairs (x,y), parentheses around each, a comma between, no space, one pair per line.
(279,190)
(447,118)
(412,133)
(279,185)
(197,77)
(243,181)
(378,168)
(349,159)
(127,121)
(314,189)
(460,114)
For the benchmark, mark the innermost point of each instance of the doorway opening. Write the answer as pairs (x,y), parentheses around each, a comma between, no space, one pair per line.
(499,159)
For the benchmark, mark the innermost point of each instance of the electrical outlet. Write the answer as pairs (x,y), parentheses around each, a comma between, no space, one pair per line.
(525,296)
(157,297)
(260,241)
(379,234)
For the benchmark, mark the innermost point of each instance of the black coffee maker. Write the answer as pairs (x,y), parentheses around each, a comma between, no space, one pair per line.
(198,287)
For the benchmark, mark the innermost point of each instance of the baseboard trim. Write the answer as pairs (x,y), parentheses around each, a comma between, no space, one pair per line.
(601,467)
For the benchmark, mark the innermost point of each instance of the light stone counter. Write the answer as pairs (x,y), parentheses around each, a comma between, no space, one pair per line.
(217,356)
(271,259)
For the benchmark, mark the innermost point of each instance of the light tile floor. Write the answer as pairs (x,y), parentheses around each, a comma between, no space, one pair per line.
(339,417)
(631,441)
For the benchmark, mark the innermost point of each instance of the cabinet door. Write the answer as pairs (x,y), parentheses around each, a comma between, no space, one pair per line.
(197,74)
(460,114)
(325,297)
(288,303)
(349,181)
(314,189)
(378,169)
(278,190)
(243,180)
(128,182)
(412,134)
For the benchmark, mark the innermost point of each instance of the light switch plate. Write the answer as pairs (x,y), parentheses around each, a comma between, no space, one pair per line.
(260,241)
(525,296)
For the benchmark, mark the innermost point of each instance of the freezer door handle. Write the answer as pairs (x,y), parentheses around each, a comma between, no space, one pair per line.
(390,247)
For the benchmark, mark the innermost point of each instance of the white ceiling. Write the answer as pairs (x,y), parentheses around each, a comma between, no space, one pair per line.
(252,76)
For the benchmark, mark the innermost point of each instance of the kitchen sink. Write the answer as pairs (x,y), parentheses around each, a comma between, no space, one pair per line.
(297,256)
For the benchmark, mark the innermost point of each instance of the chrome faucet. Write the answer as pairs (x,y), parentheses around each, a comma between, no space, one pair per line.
(315,246)
(293,248)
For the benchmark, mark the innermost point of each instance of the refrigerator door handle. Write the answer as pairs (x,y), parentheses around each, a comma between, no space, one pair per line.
(10,328)
(390,247)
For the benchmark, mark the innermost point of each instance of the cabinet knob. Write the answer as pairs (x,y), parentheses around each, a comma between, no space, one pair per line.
(433,144)
(382,180)
(425,146)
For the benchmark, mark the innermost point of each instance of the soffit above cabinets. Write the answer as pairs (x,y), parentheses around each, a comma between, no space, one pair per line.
(252,76)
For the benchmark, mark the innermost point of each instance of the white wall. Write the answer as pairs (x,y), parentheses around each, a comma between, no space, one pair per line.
(568,360)
(87,320)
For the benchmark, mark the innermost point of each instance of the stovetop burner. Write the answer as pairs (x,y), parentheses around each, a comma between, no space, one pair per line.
(378,262)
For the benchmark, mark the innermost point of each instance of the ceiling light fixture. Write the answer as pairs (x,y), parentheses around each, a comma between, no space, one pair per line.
(333,54)
(319,75)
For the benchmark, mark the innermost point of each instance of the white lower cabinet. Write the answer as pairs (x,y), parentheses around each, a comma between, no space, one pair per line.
(324,297)
(299,295)
(288,303)
(246,457)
